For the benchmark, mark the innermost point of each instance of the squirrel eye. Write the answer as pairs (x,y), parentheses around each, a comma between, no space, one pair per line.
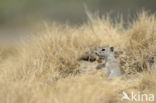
(103,49)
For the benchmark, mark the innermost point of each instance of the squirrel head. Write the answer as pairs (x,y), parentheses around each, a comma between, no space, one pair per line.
(105,52)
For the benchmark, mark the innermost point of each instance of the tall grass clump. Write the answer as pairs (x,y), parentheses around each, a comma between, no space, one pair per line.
(44,70)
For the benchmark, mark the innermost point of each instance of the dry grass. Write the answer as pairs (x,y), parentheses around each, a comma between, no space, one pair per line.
(30,75)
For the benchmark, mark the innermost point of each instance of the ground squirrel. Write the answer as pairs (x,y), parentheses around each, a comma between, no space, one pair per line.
(111,64)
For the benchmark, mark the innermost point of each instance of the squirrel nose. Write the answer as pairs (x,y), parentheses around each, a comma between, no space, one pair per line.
(96,53)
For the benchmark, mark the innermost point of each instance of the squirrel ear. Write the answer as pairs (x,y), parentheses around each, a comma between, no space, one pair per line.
(112,49)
